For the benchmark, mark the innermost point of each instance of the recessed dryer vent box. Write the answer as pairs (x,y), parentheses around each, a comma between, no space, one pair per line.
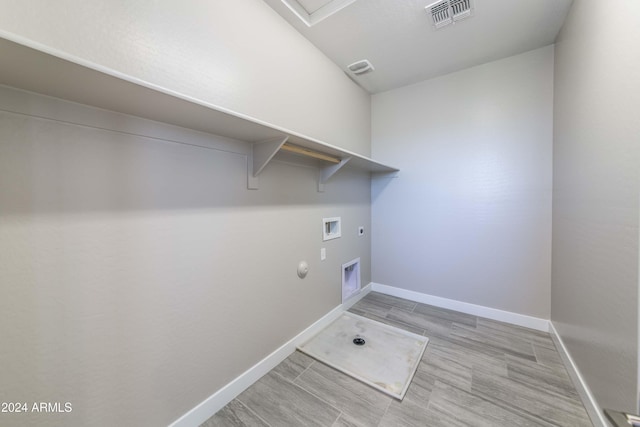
(350,279)
(331,228)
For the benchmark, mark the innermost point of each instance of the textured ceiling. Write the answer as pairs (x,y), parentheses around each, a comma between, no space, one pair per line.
(397,36)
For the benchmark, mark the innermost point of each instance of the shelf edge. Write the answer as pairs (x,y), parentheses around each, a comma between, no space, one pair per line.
(75,61)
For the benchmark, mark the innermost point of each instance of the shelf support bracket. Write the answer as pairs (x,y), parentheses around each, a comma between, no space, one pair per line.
(329,171)
(259,156)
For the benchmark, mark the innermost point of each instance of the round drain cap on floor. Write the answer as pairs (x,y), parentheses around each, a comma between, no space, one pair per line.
(358,340)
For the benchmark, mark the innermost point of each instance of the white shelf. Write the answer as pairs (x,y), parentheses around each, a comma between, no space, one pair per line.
(36,68)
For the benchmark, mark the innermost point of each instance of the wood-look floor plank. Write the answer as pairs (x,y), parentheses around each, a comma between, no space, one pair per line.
(388,321)
(374,307)
(282,403)
(235,414)
(544,406)
(396,302)
(419,390)
(515,343)
(512,329)
(495,363)
(446,370)
(473,338)
(359,402)
(409,414)
(548,357)
(294,365)
(497,329)
(433,326)
(541,377)
(344,421)
(445,314)
(470,409)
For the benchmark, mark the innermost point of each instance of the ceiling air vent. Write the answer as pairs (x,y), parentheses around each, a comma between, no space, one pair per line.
(361,67)
(445,12)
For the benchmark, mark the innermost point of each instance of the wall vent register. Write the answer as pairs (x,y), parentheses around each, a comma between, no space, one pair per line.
(445,12)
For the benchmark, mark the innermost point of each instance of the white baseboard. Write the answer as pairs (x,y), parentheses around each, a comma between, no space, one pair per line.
(590,403)
(465,307)
(226,394)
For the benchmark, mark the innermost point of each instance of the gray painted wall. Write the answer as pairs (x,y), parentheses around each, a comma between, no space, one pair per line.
(594,300)
(240,55)
(139,275)
(470,216)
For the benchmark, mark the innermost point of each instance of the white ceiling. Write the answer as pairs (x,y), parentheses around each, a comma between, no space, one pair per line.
(398,38)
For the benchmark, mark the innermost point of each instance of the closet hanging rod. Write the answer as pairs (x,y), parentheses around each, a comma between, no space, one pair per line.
(309,153)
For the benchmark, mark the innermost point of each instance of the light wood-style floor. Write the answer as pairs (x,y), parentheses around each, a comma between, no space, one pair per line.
(475,372)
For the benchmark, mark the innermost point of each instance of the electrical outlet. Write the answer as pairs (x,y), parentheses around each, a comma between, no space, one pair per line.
(323,254)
